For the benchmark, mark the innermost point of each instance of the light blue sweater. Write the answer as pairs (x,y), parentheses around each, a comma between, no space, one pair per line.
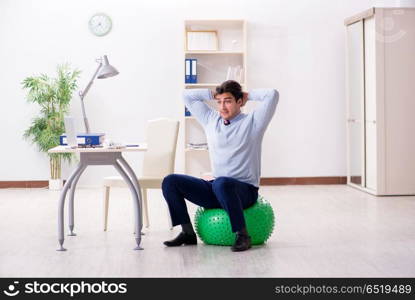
(235,149)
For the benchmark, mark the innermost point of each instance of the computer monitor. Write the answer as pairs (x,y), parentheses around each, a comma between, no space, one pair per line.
(70,132)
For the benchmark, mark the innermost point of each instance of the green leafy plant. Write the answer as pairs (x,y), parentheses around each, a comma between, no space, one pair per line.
(53,96)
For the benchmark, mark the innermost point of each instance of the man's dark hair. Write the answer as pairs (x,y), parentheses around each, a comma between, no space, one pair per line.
(230,86)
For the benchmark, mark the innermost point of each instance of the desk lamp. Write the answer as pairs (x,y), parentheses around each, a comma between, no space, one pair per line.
(104,70)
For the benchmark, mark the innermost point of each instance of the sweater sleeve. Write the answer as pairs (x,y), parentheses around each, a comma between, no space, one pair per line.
(265,111)
(193,99)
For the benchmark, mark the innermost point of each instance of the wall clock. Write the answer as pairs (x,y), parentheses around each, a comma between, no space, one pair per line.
(100,24)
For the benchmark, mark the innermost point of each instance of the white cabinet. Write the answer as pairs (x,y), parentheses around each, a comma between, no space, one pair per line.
(381,101)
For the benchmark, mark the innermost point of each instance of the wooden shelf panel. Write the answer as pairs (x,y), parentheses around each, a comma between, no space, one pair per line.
(204,84)
(216,22)
(193,150)
(214,52)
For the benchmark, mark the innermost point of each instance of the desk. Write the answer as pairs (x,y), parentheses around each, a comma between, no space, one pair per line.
(94,157)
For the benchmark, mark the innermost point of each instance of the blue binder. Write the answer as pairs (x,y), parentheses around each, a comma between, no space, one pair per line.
(187,112)
(188,67)
(193,71)
(85,139)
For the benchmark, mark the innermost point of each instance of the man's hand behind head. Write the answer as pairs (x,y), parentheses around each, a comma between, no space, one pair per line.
(244,98)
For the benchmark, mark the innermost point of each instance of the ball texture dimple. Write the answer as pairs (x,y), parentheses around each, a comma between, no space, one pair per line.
(214,227)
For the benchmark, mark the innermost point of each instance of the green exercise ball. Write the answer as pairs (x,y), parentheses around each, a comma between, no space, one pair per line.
(214,227)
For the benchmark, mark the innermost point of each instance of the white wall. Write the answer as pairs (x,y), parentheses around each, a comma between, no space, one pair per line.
(296,47)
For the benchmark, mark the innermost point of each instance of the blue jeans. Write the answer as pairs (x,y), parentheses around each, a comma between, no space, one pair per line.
(223,192)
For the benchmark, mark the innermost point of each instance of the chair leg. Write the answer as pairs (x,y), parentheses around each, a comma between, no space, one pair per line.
(106,204)
(145,209)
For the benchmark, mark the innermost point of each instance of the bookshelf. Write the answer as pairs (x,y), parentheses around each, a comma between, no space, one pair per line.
(212,70)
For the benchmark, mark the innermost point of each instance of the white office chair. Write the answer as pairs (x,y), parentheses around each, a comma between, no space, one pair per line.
(158,162)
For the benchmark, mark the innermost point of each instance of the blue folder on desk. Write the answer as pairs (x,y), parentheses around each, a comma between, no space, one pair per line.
(85,139)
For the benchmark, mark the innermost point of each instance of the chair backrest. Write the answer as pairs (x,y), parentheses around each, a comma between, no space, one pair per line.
(161,147)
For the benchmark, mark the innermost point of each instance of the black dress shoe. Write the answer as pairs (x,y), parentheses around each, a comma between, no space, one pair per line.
(182,238)
(242,243)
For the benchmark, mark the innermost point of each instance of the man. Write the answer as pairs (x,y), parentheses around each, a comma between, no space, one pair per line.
(234,141)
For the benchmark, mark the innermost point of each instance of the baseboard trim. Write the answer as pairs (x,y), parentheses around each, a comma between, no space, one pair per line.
(303,180)
(24,184)
(264,181)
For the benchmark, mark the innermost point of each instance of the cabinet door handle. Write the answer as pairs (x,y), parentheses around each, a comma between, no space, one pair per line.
(372,121)
(351,120)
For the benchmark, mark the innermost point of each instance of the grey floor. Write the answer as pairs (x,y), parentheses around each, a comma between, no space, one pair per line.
(321,231)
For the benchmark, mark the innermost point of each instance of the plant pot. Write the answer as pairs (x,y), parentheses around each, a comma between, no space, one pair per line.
(55,180)
(55,184)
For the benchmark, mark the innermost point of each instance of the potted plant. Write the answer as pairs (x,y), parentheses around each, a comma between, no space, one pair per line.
(53,96)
